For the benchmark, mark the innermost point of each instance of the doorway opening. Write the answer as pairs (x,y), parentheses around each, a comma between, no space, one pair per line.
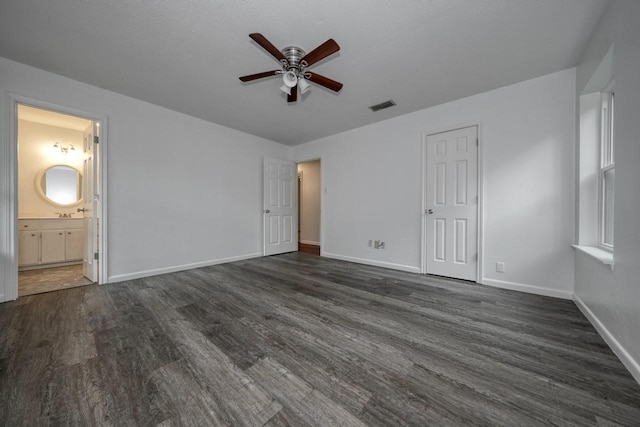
(309,198)
(57,200)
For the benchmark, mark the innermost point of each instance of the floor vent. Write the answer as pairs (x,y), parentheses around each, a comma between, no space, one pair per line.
(383,105)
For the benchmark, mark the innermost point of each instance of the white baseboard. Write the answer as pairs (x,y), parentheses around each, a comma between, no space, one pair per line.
(627,360)
(390,265)
(530,289)
(52,265)
(309,242)
(173,269)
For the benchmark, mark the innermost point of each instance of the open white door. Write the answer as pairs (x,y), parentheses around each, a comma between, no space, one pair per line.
(90,203)
(280,207)
(452,203)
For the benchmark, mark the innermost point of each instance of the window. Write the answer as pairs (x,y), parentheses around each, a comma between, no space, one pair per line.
(607,173)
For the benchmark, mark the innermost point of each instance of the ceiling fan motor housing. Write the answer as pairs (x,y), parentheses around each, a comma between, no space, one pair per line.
(293,54)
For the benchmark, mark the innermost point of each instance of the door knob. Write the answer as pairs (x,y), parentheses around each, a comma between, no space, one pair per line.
(267,211)
(429,211)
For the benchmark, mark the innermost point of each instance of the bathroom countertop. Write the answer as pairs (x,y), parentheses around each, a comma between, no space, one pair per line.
(47,217)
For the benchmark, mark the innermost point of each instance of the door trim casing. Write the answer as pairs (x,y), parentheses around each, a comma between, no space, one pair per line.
(423,222)
(9,187)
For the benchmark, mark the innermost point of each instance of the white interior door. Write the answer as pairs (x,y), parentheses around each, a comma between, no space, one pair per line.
(452,203)
(280,207)
(90,204)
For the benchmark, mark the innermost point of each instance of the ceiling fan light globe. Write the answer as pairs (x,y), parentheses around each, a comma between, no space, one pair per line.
(304,85)
(290,79)
(286,89)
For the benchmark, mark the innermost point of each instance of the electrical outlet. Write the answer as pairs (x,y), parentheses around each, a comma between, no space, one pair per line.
(370,243)
(499,267)
(378,244)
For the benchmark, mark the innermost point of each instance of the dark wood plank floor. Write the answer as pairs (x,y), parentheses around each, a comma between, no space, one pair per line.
(303,340)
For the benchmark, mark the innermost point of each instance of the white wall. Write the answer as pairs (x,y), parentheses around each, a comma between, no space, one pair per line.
(373,184)
(611,299)
(310,202)
(181,191)
(36,152)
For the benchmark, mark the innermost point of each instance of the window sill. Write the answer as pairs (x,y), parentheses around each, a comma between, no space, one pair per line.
(605,257)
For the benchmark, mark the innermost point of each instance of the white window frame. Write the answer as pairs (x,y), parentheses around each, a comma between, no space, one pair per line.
(607,164)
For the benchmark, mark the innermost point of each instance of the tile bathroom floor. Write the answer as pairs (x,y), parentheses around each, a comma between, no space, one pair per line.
(50,279)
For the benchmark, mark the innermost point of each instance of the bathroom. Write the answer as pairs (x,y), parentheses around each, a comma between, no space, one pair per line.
(54,151)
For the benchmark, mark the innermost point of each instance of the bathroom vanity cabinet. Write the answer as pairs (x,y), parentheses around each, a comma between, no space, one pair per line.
(49,242)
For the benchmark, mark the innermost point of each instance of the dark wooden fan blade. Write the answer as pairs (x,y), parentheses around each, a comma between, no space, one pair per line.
(257,76)
(324,81)
(325,49)
(266,45)
(294,94)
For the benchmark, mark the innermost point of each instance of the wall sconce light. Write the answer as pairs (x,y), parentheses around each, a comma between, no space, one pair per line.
(64,149)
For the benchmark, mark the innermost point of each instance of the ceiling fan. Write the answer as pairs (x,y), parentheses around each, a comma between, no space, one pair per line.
(294,62)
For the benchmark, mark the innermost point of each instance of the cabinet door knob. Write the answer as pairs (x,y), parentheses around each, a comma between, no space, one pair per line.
(59,234)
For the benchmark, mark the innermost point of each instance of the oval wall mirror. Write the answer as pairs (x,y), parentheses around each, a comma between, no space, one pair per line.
(60,185)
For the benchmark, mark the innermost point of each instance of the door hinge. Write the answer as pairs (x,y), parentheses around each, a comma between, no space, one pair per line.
(96,139)
(477,142)
(96,256)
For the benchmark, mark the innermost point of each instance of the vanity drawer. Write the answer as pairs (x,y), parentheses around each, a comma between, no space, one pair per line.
(60,224)
(28,224)
(73,224)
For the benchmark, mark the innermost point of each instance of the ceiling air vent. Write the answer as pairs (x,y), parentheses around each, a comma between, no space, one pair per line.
(383,105)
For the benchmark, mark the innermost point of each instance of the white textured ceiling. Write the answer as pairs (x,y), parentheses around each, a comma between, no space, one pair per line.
(188,55)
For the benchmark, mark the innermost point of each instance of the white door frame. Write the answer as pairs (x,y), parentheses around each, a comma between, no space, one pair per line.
(322,194)
(480,228)
(9,187)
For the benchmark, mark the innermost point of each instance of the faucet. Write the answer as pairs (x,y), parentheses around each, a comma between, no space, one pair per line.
(63,215)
